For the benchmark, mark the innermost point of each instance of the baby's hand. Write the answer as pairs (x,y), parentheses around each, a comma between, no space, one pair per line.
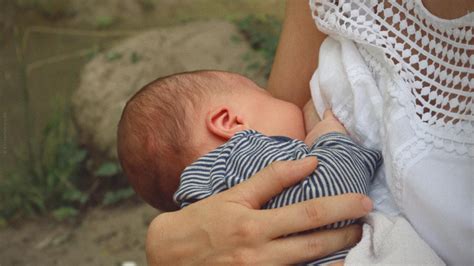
(311,118)
(327,125)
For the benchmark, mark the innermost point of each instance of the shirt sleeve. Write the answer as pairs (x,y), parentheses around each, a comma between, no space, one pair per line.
(344,167)
(345,147)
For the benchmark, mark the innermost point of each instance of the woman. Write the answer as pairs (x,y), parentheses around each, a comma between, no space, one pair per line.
(244,235)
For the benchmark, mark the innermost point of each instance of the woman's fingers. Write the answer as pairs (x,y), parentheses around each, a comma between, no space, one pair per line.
(315,213)
(311,246)
(270,181)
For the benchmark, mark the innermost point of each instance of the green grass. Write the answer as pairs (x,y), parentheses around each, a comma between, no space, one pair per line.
(104,22)
(48,179)
(55,180)
(54,175)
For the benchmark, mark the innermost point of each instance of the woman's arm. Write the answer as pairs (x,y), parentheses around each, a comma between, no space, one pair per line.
(228,228)
(297,54)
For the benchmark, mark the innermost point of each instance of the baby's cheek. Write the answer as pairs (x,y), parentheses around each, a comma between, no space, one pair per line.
(297,125)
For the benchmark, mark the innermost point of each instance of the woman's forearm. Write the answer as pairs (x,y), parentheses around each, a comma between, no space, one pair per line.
(297,54)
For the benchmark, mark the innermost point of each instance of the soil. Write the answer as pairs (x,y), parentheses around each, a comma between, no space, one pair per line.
(106,236)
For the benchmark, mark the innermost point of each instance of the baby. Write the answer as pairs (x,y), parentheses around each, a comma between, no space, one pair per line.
(196,134)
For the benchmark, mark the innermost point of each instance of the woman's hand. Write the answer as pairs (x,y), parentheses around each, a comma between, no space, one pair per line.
(229,228)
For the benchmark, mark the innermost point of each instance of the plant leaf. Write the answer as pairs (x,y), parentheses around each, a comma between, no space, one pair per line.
(64,213)
(107,169)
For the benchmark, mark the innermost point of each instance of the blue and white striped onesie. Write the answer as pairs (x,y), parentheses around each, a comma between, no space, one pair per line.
(344,167)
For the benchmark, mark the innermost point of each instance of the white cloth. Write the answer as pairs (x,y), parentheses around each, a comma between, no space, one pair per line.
(344,84)
(406,85)
(390,241)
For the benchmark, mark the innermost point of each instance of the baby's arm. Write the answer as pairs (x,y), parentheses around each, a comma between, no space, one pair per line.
(327,125)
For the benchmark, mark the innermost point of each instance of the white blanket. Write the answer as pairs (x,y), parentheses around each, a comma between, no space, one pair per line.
(390,240)
(344,83)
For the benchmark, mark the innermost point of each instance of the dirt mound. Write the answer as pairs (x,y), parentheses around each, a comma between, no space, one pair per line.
(108,236)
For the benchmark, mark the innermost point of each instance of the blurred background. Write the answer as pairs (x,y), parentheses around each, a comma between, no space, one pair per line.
(67,68)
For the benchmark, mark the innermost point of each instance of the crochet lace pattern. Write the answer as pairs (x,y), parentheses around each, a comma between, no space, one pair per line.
(433,59)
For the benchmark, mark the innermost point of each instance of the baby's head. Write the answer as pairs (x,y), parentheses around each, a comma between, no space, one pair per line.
(174,120)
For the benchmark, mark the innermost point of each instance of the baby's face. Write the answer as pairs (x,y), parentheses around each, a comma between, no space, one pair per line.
(267,114)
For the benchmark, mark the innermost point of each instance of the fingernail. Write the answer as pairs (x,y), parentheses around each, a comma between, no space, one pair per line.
(367,203)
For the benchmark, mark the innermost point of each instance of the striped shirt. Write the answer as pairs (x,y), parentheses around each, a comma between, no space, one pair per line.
(344,167)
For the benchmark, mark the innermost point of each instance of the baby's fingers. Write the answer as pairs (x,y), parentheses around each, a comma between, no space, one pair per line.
(328,114)
(331,123)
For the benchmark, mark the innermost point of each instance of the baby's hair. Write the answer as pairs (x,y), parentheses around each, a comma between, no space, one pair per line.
(154,137)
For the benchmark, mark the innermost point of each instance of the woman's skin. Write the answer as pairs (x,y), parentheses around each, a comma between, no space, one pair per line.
(297,54)
(229,229)
(449,9)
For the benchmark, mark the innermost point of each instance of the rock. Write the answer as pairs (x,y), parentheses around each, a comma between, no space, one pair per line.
(128,263)
(112,77)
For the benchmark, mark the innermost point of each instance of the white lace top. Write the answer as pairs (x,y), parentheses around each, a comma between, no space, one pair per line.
(423,69)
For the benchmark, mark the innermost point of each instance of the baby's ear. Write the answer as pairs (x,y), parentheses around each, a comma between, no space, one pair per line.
(224,123)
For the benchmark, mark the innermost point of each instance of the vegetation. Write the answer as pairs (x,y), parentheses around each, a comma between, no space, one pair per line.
(50,8)
(48,179)
(54,174)
(57,181)
(262,32)
(103,22)
(147,5)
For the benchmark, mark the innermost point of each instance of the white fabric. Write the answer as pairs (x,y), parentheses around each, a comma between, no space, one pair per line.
(390,241)
(412,97)
(344,83)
